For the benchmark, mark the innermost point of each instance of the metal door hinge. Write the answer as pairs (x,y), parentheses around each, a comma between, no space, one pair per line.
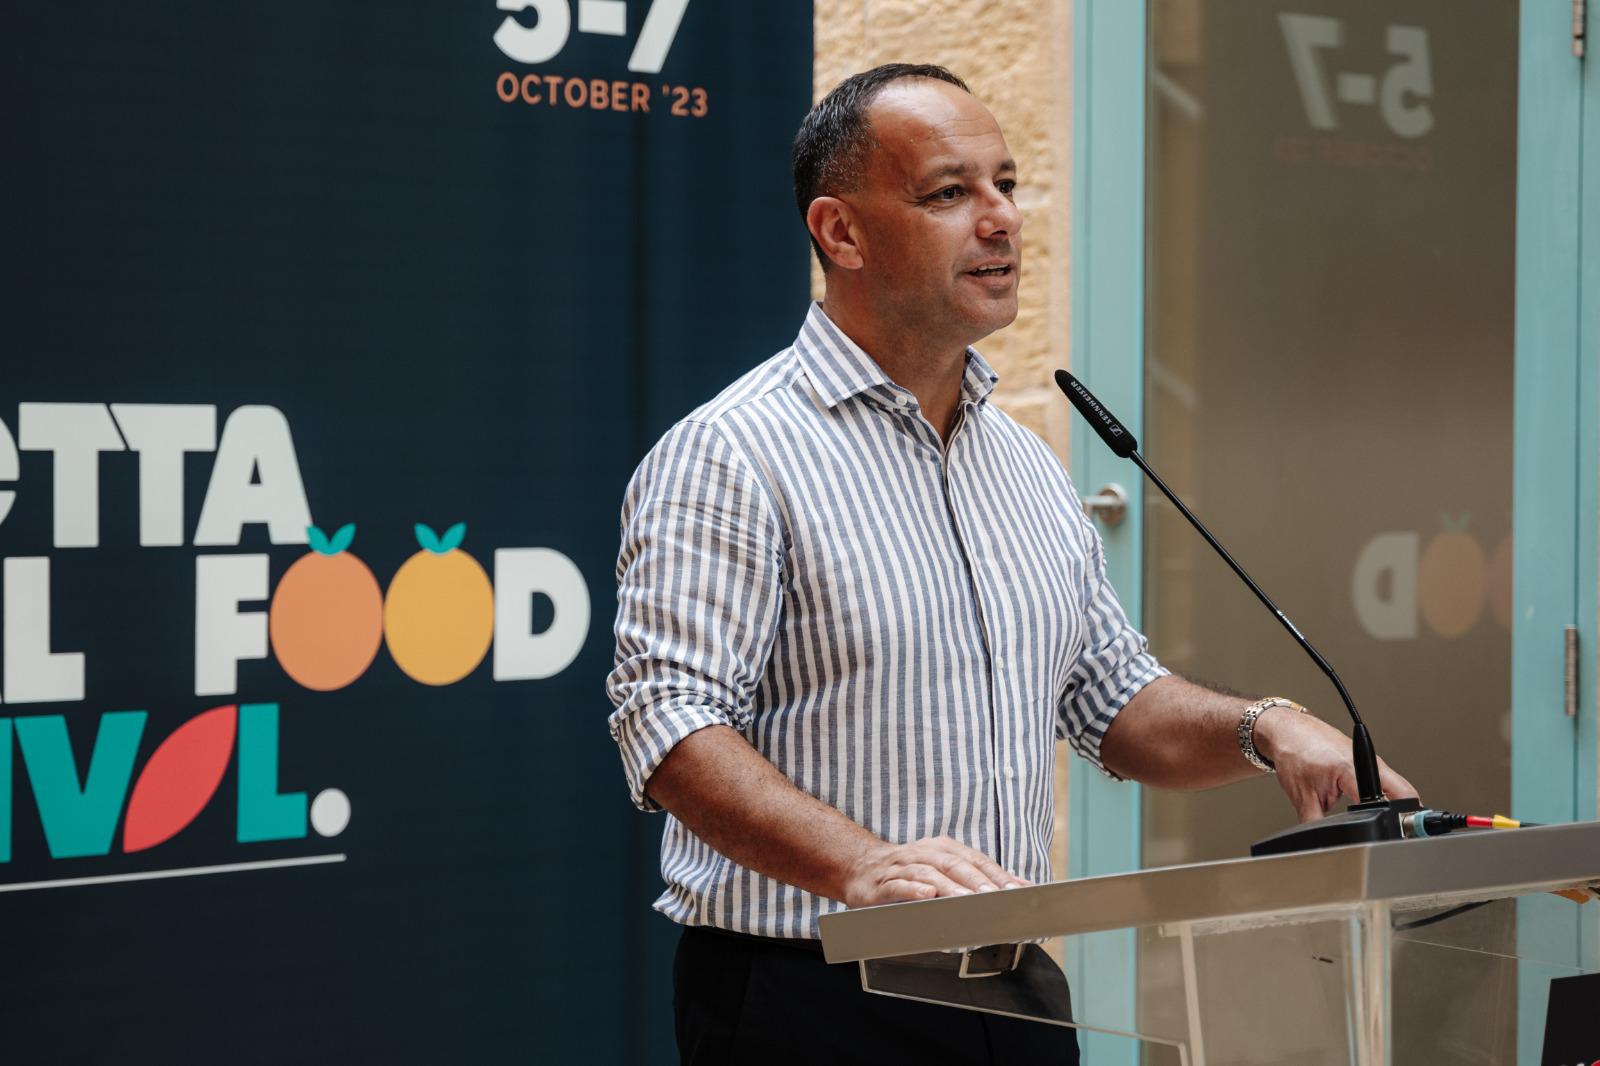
(1570,636)
(1578,20)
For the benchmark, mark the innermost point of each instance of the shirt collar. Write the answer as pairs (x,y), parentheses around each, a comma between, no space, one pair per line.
(840,369)
(979,379)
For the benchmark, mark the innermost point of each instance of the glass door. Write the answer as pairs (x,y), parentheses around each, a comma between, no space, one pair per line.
(1337,288)
(1328,374)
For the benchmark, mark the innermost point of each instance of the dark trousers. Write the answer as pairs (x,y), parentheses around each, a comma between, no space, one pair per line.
(740,999)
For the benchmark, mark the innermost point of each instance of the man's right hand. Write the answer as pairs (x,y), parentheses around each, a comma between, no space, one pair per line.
(922,869)
(732,798)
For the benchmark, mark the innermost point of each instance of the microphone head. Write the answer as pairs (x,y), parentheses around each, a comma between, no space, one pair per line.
(1114,433)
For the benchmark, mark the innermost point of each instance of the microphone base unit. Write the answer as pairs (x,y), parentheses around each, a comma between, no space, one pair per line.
(1362,823)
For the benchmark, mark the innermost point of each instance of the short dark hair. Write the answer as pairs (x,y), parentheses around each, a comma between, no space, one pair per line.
(831,148)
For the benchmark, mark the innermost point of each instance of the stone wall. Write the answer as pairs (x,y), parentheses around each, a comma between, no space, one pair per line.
(1016,55)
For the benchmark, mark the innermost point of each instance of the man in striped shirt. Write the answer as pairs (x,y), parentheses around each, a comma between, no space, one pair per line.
(857,604)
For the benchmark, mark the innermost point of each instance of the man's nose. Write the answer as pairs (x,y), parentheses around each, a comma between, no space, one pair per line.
(1000,217)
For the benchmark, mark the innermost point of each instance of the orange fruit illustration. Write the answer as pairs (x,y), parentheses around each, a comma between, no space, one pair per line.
(439,615)
(326,618)
(1450,585)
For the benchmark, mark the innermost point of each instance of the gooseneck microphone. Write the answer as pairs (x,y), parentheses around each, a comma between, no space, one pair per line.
(1372,817)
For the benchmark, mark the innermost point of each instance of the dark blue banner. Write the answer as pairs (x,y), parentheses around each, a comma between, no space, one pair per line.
(330,337)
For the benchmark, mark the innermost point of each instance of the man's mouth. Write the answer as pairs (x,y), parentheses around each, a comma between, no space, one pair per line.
(990,272)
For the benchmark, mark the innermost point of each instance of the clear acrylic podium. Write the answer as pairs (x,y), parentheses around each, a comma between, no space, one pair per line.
(1336,956)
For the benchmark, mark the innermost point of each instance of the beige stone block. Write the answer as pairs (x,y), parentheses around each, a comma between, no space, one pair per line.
(1027,407)
(992,39)
(839,28)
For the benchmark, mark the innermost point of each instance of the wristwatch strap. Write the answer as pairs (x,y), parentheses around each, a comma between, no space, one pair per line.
(1247,730)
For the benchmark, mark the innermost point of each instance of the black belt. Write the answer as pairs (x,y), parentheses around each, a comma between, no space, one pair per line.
(988,961)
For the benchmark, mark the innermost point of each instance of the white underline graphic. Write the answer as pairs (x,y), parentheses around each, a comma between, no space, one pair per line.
(183,871)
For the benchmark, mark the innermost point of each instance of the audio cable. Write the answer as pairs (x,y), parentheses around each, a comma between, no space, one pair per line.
(1431,823)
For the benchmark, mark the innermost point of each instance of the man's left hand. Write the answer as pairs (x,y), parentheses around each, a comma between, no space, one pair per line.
(1314,764)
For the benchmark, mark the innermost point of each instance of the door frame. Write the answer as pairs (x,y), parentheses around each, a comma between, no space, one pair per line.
(1554,475)
(1107,353)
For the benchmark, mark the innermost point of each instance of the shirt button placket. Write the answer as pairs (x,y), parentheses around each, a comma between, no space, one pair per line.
(995,661)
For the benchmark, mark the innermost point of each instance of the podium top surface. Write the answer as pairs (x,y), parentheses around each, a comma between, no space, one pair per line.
(1488,864)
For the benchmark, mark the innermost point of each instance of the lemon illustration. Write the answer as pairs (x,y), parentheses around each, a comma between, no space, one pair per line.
(438,617)
(326,618)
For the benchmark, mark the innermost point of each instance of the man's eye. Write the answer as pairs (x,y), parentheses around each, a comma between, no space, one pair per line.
(1007,187)
(950,192)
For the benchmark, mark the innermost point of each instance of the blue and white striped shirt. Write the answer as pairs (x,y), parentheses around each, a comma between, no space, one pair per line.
(902,627)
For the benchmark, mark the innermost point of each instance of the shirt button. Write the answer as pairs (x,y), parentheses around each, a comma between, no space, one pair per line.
(1011,773)
(1000,661)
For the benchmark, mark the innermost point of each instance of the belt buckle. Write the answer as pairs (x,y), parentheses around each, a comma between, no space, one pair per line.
(990,960)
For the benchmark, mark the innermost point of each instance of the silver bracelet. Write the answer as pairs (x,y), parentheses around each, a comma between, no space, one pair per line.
(1247,730)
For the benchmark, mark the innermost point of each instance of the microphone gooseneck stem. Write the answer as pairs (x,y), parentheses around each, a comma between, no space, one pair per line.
(1365,756)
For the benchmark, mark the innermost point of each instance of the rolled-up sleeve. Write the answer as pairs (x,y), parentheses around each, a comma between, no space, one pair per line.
(699,587)
(1114,664)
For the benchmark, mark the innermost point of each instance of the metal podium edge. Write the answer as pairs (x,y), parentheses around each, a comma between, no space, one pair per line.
(1487,864)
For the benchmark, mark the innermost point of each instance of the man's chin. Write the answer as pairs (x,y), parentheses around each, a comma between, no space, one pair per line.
(991,316)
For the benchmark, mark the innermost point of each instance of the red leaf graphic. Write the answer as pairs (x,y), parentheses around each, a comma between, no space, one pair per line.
(180,778)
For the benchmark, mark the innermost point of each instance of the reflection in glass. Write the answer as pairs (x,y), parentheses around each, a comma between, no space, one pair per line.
(1328,381)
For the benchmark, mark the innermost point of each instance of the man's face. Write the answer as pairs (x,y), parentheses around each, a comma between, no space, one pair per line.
(941,242)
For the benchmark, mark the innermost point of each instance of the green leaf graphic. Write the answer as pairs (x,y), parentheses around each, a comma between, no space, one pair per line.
(428,538)
(342,539)
(453,537)
(319,542)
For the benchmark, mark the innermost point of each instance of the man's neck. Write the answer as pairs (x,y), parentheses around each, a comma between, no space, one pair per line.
(930,370)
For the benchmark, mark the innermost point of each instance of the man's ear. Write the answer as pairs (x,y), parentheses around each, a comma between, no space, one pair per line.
(835,227)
